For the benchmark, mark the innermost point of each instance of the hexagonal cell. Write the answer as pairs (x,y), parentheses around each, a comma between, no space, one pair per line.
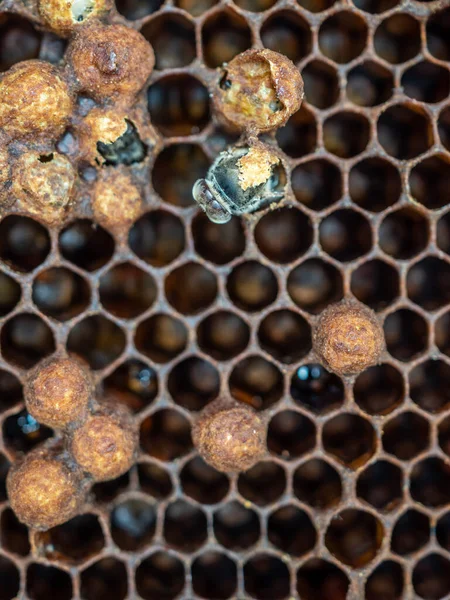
(438,34)
(161,337)
(195,7)
(219,244)
(444,435)
(430,180)
(430,482)
(406,435)
(224,35)
(428,283)
(25,340)
(321,84)
(397,38)
(12,29)
(178,105)
(236,527)
(108,491)
(11,294)
(172,37)
(106,579)
(252,286)
(345,235)
(285,335)
(191,288)
(318,484)
(13,534)
(10,390)
(299,136)
(166,435)
(346,134)
(263,484)
(21,432)
(10,579)
(376,283)
(288,33)
(429,385)
(193,383)
(86,245)
(404,233)
(406,334)
(443,233)
(317,184)
(381,485)
(154,480)
(208,569)
(379,389)
(256,381)
(138,9)
(343,36)
(255,5)
(266,576)
(160,576)
(443,531)
(354,537)
(431,577)
(284,235)
(60,293)
(404,131)
(126,291)
(411,533)
(97,340)
(349,438)
(158,236)
(374,184)
(223,335)
(315,284)
(317,390)
(185,526)
(133,383)
(203,483)
(290,434)
(444,127)
(133,524)
(388,578)
(24,243)
(369,84)
(284,526)
(317,577)
(426,82)
(4,468)
(316,6)
(42,581)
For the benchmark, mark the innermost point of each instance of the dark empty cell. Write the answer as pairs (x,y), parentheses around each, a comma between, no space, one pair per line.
(317,184)
(9,579)
(438,34)
(21,432)
(299,136)
(4,468)
(429,181)
(218,243)
(25,340)
(86,245)
(285,335)
(193,383)
(350,438)
(314,284)
(166,435)
(60,293)
(19,41)
(318,579)
(442,531)
(191,288)
(173,40)
(321,84)
(133,524)
(284,235)
(343,36)
(178,105)
(369,84)
(10,390)
(290,434)
(257,382)
(426,82)
(316,6)
(24,244)
(375,6)
(444,127)
(381,485)
(160,577)
(255,5)
(386,581)
(138,9)
(224,35)
(105,580)
(354,537)
(154,480)
(109,490)
(128,149)
(346,134)
(430,385)
(442,333)
(262,484)
(404,233)
(345,235)
(214,575)
(406,334)
(430,482)
(203,483)
(376,283)
(287,33)
(374,184)
(404,131)
(443,233)
(10,294)
(44,582)
(380,389)
(126,291)
(266,577)
(318,484)
(13,535)
(223,335)
(397,39)
(236,527)
(157,238)
(431,577)
(133,383)
(252,286)
(428,283)
(161,337)
(315,389)
(290,529)
(406,435)
(411,533)
(97,340)
(185,526)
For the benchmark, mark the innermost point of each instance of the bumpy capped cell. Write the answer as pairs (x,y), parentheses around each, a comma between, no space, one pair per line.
(57,392)
(63,16)
(111,62)
(240,181)
(45,489)
(258,90)
(34,99)
(116,200)
(229,436)
(105,445)
(348,338)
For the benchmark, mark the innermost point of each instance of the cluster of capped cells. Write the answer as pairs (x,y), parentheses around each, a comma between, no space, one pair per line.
(212,439)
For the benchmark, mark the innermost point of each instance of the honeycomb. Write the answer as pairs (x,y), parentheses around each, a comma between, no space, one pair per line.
(352,501)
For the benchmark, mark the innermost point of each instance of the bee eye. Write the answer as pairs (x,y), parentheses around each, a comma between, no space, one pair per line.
(206,199)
